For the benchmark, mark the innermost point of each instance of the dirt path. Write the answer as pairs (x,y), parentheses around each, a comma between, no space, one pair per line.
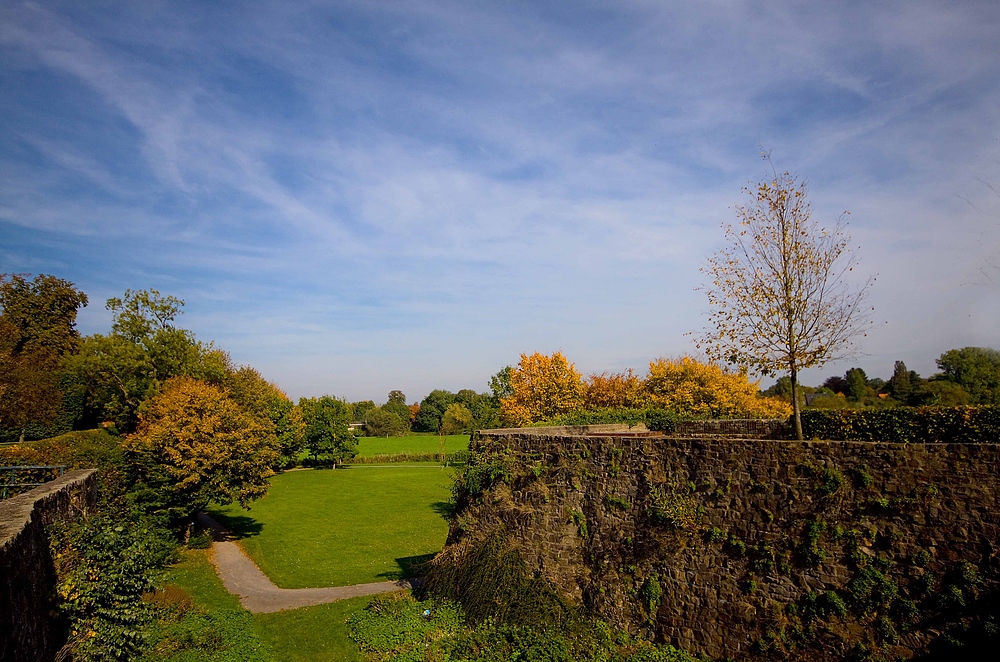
(258,594)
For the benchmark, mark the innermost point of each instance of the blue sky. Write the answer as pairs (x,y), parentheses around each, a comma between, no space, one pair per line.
(361,196)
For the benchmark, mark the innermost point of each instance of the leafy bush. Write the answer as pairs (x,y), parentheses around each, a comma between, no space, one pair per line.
(905,424)
(184,634)
(398,628)
(103,568)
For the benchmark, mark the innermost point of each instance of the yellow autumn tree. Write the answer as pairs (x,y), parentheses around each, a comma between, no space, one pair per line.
(707,390)
(610,390)
(194,446)
(542,387)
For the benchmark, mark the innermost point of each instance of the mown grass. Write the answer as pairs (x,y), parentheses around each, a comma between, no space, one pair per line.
(412,443)
(223,630)
(311,634)
(365,523)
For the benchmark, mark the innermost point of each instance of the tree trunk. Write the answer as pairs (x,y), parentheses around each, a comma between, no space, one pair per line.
(795,404)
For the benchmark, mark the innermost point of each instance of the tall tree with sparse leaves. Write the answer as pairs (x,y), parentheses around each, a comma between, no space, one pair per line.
(779,295)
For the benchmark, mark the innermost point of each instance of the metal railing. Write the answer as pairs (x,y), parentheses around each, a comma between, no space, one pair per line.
(17,479)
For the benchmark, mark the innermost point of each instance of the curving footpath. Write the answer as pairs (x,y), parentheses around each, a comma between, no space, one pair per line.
(258,594)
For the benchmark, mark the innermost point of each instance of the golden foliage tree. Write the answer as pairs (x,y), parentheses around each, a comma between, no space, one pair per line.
(542,387)
(779,300)
(613,390)
(195,446)
(707,390)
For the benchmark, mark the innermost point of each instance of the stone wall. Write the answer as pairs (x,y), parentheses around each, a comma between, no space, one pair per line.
(27,576)
(750,549)
(743,428)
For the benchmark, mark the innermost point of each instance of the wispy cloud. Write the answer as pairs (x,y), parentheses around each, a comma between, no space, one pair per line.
(447,183)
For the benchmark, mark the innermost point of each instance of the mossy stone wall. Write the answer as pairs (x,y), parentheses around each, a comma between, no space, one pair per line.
(751,549)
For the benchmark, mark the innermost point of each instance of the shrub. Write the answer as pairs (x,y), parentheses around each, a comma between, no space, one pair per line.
(905,424)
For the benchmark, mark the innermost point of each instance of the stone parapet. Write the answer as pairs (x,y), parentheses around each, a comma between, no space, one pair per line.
(27,575)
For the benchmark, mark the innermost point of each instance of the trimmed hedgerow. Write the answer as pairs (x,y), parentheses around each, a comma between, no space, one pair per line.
(964,425)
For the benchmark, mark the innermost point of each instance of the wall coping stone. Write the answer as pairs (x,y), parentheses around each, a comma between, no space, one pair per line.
(17,512)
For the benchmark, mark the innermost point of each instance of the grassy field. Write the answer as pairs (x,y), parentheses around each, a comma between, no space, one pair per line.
(310,634)
(412,443)
(323,527)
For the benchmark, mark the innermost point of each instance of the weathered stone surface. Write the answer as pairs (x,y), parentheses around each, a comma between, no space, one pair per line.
(27,576)
(902,500)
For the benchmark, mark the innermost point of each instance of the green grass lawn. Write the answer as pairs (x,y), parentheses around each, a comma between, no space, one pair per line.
(412,443)
(310,634)
(365,523)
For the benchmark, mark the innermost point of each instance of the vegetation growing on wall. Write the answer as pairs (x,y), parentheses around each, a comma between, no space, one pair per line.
(832,536)
(398,628)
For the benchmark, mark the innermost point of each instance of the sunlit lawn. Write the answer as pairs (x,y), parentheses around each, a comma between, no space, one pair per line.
(310,634)
(414,443)
(365,523)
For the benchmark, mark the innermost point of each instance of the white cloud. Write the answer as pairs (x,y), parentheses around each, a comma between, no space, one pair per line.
(337,181)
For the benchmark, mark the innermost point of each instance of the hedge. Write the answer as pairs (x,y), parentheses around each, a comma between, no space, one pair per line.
(959,425)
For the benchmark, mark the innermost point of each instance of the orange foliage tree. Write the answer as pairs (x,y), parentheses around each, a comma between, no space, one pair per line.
(542,387)
(707,390)
(195,446)
(613,390)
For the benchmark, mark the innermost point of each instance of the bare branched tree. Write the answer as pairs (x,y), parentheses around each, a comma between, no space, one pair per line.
(779,298)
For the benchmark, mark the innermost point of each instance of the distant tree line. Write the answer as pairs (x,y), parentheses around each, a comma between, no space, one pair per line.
(968,376)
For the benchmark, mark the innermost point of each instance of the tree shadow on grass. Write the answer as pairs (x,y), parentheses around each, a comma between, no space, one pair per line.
(444,509)
(409,567)
(240,526)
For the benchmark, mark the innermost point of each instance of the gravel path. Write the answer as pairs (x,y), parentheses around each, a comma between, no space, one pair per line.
(258,594)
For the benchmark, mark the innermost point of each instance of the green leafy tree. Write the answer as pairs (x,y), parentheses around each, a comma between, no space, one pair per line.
(397,406)
(857,384)
(500,387)
(432,409)
(457,419)
(37,332)
(485,411)
(938,392)
(778,296)
(387,422)
(328,437)
(41,313)
(128,366)
(263,399)
(975,369)
(361,410)
(899,385)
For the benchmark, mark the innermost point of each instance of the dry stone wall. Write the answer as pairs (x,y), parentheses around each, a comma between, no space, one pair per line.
(27,576)
(750,549)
